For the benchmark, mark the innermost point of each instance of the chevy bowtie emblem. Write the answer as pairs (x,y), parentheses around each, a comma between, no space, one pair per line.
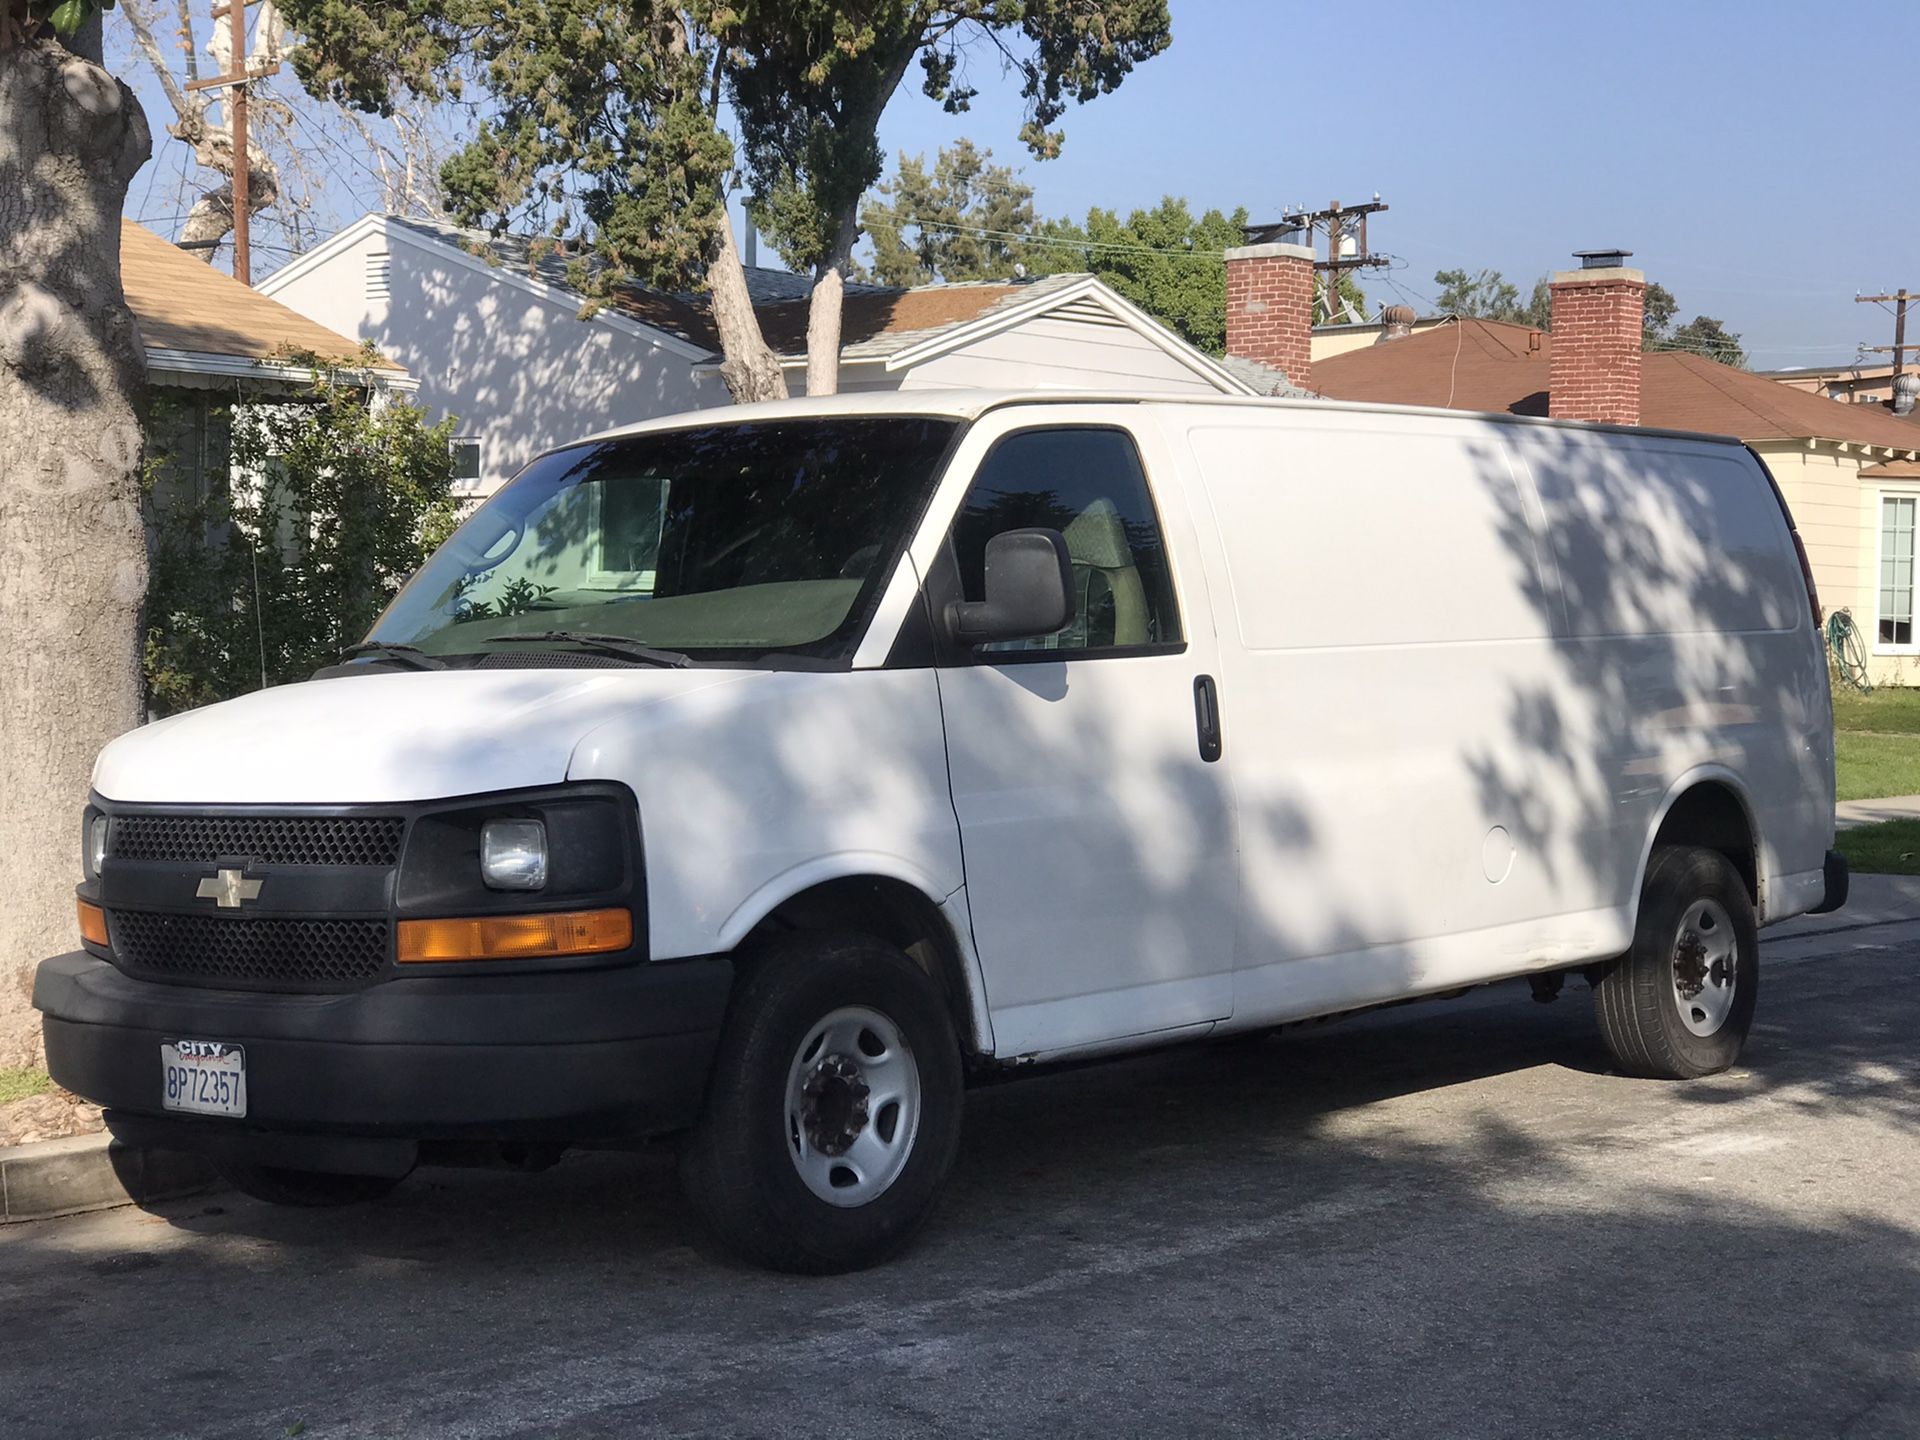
(228,889)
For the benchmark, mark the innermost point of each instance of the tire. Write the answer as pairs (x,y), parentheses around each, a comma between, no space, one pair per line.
(1679,1004)
(305,1189)
(834,1110)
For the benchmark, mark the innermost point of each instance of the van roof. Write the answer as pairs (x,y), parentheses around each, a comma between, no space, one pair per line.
(971,404)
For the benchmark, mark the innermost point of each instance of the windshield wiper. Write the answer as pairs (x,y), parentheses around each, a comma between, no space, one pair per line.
(408,654)
(607,644)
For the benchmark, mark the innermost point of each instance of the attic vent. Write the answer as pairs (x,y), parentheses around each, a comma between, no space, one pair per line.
(1089,312)
(377,274)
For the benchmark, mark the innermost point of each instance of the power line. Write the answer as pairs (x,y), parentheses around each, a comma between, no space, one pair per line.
(1064,242)
(1899,346)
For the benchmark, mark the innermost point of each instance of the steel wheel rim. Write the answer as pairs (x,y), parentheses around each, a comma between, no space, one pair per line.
(1705,967)
(853,1106)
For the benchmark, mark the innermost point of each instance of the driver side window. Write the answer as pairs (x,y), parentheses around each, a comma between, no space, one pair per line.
(1088,484)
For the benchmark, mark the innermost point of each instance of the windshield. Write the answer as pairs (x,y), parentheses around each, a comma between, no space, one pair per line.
(724,542)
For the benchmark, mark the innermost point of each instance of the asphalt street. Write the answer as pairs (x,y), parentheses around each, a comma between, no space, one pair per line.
(1446,1219)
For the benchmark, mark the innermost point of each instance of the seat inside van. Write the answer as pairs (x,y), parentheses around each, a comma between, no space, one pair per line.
(1108,591)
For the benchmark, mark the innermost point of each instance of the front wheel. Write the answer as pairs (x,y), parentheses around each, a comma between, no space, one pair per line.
(834,1110)
(1679,1004)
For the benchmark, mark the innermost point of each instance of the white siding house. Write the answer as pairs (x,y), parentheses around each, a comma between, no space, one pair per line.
(494,335)
(500,347)
(1060,332)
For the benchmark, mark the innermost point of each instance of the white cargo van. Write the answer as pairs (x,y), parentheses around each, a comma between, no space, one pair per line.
(766,773)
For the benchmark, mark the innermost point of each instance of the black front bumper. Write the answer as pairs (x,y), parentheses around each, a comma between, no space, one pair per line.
(549,1058)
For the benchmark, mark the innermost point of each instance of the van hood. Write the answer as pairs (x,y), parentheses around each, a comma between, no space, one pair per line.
(372,739)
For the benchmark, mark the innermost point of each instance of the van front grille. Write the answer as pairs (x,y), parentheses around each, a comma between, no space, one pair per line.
(265,839)
(264,953)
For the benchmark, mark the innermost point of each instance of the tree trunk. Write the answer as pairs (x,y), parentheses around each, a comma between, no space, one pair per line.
(825,307)
(750,368)
(827,303)
(211,218)
(73,558)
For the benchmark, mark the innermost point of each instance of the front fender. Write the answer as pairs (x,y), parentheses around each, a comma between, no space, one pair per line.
(751,792)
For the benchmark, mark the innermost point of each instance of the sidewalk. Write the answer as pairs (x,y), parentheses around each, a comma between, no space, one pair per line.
(1851,813)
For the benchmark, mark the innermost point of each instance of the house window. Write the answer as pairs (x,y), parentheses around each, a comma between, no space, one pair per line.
(466,459)
(629,519)
(1896,569)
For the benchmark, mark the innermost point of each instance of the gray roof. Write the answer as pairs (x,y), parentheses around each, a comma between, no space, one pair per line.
(765,286)
(878,323)
(1261,379)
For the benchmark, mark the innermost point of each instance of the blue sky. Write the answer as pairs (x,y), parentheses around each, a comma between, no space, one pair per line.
(1761,159)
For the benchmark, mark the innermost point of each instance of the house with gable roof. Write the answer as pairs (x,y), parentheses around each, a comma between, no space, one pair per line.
(494,334)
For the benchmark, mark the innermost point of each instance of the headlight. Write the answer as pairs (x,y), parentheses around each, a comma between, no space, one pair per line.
(513,854)
(96,846)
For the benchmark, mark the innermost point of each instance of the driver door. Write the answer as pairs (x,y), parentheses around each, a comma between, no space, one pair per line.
(1095,821)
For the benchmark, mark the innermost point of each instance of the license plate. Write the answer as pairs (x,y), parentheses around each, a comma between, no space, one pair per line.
(203,1077)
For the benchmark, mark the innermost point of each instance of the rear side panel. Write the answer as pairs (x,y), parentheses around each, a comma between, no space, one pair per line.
(1466,667)
(1688,648)
(1410,817)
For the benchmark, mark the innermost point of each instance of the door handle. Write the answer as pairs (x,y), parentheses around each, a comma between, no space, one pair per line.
(1206,717)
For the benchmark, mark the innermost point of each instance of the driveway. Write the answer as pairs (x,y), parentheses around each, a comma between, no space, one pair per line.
(1445,1219)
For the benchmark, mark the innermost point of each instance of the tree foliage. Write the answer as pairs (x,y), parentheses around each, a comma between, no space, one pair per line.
(1489,295)
(809,98)
(1167,261)
(1703,335)
(602,122)
(1657,316)
(1485,294)
(334,503)
(969,219)
(966,219)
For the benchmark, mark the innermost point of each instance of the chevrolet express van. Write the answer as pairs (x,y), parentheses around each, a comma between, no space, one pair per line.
(765,774)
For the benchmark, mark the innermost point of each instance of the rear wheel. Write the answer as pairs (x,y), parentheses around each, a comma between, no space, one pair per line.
(834,1110)
(305,1189)
(1679,1004)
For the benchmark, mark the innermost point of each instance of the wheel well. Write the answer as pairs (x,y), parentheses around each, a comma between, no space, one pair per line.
(1710,815)
(890,910)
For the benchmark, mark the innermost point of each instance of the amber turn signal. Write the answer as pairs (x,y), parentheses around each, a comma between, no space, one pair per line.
(514,937)
(93,922)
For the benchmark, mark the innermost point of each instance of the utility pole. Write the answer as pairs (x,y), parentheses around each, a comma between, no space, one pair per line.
(234,12)
(1338,221)
(1899,346)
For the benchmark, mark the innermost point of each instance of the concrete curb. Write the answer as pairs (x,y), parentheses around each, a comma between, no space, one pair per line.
(92,1172)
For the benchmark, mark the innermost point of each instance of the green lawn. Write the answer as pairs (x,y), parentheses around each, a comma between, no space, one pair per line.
(1889,712)
(19,1084)
(1870,766)
(1876,743)
(1890,848)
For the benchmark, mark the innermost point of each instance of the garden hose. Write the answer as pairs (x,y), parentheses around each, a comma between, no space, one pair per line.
(1849,651)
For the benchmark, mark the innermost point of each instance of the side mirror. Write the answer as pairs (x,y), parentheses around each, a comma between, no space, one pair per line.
(1029,590)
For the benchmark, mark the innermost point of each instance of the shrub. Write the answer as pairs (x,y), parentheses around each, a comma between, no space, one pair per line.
(334,500)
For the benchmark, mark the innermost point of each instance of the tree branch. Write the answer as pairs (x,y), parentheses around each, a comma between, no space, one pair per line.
(140,19)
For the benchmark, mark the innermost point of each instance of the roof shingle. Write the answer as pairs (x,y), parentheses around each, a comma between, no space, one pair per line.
(183,303)
(1494,366)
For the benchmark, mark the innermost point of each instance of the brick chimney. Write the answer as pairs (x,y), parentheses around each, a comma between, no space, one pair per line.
(1594,373)
(1270,307)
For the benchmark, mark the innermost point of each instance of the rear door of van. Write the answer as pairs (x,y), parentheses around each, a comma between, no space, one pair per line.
(1087,768)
